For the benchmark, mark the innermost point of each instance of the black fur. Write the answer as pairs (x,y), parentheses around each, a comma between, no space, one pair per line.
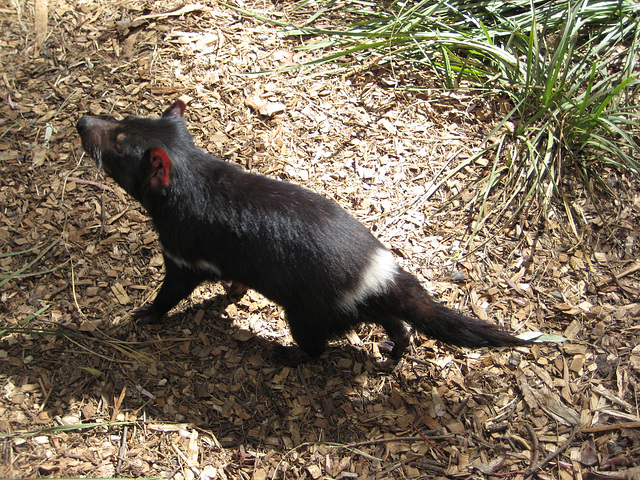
(299,249)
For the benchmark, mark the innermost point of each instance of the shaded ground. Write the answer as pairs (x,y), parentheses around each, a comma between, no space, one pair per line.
(90,394)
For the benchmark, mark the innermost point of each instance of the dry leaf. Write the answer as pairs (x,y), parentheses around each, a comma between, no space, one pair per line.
(263,106)
(39,154)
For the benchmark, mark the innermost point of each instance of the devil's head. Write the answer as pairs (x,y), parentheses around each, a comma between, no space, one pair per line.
(138,153)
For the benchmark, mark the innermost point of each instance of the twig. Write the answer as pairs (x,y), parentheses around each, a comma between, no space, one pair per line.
(424,437)
(633,268)
(187,461)
(420,361)
(535,451)
(74,293)
(461,407)
(600,390)
(607,428)
(47,393)
(394,439)
(122,452)
(540,465)
(174,472)
(102,215)
(102,186)
(125,25)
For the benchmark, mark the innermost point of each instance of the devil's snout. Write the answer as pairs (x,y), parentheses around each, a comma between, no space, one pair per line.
(82,124)
(94,133)
(87,124)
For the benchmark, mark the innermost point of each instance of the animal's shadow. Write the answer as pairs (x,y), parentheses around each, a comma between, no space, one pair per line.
(200,367)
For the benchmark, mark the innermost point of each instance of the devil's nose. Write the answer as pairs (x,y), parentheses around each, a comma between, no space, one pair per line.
(83,123)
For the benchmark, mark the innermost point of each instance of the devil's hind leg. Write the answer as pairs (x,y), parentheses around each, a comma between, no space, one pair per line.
(310,336)
(399,336)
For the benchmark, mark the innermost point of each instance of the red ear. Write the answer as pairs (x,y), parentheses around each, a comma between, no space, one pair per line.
(160,166)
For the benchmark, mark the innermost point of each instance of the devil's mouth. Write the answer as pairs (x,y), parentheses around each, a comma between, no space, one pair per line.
(102,165)
(96,154)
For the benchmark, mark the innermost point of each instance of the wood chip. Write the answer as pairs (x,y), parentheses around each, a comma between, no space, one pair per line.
(203,393)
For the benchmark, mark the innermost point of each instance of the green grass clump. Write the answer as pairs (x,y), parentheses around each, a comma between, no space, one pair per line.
(568,68)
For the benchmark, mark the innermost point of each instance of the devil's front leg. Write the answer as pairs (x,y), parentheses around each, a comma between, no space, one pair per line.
(178,283)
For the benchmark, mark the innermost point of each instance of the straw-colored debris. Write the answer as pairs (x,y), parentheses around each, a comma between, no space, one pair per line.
(200,396)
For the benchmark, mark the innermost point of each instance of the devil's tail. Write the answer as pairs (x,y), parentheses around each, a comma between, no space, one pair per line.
(450,326)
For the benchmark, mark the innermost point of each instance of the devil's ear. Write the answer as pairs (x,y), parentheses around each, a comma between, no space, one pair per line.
(175,110)
(160,168)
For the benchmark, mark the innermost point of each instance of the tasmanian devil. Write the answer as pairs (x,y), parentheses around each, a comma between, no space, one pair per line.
(299,249)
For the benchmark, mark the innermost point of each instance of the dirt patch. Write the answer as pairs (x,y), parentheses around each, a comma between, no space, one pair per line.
(85,392)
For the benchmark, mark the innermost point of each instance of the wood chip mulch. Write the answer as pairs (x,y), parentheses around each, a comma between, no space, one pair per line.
(85,392)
